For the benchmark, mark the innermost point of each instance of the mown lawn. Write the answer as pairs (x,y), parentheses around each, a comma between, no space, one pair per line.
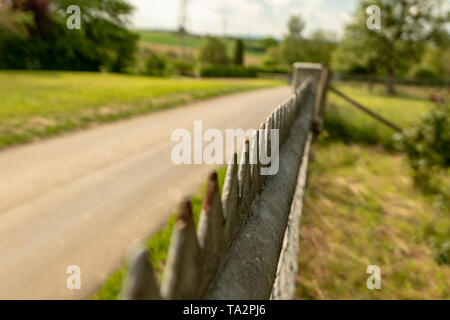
(362,207)
(38,104)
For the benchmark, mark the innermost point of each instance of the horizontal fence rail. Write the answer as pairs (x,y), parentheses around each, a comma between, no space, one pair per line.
(247,237)
(364,109)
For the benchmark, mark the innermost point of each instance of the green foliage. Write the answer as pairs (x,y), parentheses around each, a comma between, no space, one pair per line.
(157,65)
(266,43)
(272,57)
(291,46)
(238,58)
(317,48)
(421,72)
(432,65)
(437,234)
(433,59)
(183,68)
(213,51)
(103,42)
(427,147)
(406,27)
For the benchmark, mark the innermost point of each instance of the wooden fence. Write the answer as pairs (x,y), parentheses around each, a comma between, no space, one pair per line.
(246,243)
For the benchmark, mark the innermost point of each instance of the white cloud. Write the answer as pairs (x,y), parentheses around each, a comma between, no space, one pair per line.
(243,17)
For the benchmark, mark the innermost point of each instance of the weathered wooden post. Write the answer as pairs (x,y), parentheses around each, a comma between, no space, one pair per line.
(320,75)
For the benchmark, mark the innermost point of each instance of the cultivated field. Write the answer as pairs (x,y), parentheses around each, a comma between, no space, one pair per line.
(189,44)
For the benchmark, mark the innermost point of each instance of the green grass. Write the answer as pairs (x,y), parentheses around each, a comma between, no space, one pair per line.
(346,123)
(158,246)
(39,104)
(361,209)
(171,39)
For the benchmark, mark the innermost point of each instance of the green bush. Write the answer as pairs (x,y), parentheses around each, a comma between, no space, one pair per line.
(420,72)
(228,71)
(238,58)
(183,68)
(36,37)
(213,51)
(157,65)
(427,146)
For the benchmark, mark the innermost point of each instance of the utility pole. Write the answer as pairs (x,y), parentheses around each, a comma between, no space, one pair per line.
(182,30)
(224,25)
(182,16)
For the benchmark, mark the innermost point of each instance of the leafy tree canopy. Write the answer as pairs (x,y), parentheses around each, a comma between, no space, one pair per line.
(406,27)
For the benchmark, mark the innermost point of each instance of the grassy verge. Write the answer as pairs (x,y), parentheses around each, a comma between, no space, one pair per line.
(40,104)
(345,123)
(361,209)
(158,246)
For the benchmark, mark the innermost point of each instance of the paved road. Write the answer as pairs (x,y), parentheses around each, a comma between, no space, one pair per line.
(84,198)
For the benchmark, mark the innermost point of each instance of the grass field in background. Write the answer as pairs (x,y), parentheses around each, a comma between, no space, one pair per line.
(158,246)
(162,41)
(362,208)
(38,104)
(171,39)
(344,122)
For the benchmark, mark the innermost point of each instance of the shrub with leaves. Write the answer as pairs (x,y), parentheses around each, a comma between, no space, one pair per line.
(157,65)
(427,145)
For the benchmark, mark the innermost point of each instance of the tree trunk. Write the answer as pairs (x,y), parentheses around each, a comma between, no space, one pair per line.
(390,81)
(370,83)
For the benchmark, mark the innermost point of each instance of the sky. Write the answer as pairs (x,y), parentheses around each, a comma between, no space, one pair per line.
(243,17)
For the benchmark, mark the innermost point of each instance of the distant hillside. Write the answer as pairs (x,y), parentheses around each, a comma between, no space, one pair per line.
(165,41)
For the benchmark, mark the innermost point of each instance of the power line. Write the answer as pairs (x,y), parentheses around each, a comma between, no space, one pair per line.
(182,15)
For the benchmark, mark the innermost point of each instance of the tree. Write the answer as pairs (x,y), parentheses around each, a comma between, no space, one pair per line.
(238,58)
(213,51)
(319,47)
(291,46)
(266,43)
(272,57)
(157,65)
(103,42)
(406,26)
